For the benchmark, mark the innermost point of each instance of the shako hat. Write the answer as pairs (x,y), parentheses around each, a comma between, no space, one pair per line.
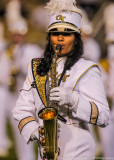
(15,22)
(64,16)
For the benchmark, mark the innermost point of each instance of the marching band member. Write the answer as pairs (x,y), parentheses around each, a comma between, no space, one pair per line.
(4,140)
(80,93)
(106,135)
(16,56)
(90,44)
(20,54)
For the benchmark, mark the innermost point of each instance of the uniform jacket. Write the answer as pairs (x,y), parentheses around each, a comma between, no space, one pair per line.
(85,79)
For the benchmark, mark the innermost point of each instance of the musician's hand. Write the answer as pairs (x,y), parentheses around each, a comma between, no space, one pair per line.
(34,136)
(64,96)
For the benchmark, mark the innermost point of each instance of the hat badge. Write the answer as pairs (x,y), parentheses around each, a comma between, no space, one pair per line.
(60,17)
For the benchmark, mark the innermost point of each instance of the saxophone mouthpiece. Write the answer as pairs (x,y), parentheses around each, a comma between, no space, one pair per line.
(58,47)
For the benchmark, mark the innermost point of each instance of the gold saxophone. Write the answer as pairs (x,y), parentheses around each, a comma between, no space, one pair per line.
(48,133)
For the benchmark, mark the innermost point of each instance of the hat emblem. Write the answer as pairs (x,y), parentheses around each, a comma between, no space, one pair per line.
(60,17)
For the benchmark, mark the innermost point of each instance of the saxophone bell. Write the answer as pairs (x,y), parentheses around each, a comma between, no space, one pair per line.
(48,133)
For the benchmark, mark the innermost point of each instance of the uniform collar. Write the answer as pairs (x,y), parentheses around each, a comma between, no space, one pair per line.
(61,60)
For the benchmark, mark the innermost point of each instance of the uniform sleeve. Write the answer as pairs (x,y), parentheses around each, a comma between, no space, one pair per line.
(92,105)
(5,68)
(24,111)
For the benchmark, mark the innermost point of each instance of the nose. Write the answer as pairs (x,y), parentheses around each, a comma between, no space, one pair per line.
(60,37)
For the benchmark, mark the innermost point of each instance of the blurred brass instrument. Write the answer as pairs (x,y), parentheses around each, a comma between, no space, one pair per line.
(12,79)
(48,133)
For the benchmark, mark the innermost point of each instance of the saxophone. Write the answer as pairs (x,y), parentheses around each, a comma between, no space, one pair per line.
(48,133)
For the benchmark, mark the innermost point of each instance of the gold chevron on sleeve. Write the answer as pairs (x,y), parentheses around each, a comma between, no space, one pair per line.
(94,113)
(24,121)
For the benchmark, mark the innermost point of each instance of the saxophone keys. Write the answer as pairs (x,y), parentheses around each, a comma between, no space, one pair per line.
(58,151)
(59,126)
(44,153)
(43,142)
(42,131)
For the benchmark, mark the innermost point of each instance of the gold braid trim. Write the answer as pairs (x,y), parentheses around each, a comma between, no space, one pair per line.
(40,81)
(27,75)
(24,121)
(94,113)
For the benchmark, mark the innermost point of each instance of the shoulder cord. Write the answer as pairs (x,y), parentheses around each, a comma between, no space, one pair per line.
(33,85)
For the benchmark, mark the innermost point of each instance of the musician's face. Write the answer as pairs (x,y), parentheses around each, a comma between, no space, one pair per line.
(65,39)
(17,38)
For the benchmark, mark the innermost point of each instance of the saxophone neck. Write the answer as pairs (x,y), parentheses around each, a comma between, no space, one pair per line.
(51,77)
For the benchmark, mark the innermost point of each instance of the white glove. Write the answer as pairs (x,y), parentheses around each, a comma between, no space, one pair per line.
(34,135)
(64,96)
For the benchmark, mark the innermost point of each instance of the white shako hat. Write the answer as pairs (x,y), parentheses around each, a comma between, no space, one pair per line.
(64,16)
(15,22)
(86,26)
(109,23)
(18,27)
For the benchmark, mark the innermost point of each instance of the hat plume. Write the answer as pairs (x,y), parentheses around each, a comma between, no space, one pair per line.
(57,6)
